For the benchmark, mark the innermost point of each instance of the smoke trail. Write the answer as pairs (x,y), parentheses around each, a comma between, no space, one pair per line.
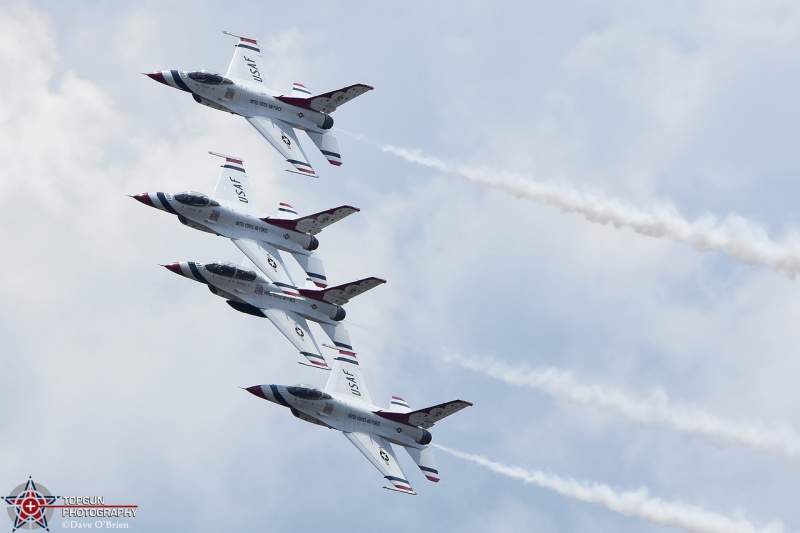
(736,237)
(782,442)
(630,503)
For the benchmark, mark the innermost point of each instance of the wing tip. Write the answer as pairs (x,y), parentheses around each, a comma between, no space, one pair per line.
(402,489)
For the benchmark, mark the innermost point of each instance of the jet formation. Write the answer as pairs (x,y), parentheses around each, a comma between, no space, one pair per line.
(261,285)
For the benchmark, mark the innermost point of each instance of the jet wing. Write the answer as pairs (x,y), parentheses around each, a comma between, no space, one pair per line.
(327,102)
(233,185)
(295,328)
(283,138)
(341,294)
(267,258)
(246,65)
(425,418)
(381,455)
(313,224)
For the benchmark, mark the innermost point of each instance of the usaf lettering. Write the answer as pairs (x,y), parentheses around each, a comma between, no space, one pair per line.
(253,69)
(240,191)
(352,383)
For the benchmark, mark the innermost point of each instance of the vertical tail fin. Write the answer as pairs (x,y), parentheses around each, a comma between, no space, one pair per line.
(345,378)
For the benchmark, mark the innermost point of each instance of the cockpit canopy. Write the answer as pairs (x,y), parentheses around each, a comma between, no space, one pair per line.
(307,392)
(195,199)
(201,76)
(229,270)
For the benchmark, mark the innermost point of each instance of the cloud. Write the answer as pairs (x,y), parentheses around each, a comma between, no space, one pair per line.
(630,503)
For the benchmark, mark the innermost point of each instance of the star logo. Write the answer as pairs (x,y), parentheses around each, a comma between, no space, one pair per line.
(31,505)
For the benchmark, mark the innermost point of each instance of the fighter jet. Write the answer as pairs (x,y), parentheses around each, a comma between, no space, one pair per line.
(251,293)
(230,212)
(245,91)
(345,405)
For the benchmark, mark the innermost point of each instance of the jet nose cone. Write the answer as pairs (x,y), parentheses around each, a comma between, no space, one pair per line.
(144,198)
(258,390)
(158,76)
(175,267)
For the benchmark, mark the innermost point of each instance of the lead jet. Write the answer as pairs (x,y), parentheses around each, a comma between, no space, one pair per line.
(345,405)
(251,293)
(230,212)
(245,91)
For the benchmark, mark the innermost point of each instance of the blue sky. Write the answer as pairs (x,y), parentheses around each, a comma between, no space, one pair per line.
(121,379)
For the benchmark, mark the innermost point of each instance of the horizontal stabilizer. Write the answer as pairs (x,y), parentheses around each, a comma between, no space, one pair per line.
(425,418)
(313,224)
(300,90)
(328,145)
(399,405)
(425,461)
(341,294)
(283,207)
(314,269)
(338,334)
(327,102)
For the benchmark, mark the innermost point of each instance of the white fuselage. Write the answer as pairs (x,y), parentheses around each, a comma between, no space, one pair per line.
(232,222)
(346,414)
(260,293)
(247,99)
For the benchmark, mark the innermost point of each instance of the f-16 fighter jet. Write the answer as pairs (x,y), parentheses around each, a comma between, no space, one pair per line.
(244,91)
(345,405)
(253,294)
(230,212)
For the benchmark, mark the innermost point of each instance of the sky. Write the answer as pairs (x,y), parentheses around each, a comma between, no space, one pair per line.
(585,214)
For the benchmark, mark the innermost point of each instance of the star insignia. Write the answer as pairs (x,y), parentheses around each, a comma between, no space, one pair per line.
(30,506)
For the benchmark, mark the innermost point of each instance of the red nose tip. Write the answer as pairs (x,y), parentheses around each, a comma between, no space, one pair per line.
(256,390)
(175,267)
(144,198)
(158,76)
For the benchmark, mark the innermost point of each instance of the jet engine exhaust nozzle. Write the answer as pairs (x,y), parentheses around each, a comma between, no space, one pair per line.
(426,438)
(313,244)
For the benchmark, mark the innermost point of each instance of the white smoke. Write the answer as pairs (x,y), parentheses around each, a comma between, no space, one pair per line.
(735,236)
(630,503)
(783,442)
